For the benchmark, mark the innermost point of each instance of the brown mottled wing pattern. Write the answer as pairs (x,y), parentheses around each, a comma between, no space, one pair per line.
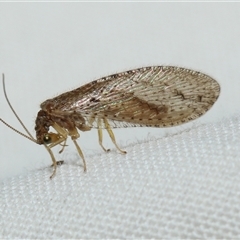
(151,96)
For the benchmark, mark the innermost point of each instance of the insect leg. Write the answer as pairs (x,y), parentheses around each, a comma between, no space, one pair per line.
(53,160)
(81,155)
(62,137)
(75,135)
(63,146)
(111,135)
(62,133)
(100,135)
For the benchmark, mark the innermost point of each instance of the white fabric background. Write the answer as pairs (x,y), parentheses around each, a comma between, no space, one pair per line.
(183,186)
(180,186)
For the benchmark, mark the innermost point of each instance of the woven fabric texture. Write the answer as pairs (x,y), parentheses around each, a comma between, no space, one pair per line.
(182,186)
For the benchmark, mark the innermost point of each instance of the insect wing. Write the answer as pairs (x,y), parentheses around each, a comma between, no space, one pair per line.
(151,96)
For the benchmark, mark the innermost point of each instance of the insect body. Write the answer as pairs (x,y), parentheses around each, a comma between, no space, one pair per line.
(159,96)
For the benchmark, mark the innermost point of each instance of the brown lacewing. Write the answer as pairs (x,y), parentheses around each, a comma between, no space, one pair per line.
(156,96)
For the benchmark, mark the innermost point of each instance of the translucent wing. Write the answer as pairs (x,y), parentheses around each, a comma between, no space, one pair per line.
(151,96)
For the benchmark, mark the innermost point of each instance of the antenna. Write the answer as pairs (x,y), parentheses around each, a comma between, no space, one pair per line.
(30,137)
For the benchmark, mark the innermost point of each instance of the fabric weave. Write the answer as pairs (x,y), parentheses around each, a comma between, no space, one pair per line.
(181,186)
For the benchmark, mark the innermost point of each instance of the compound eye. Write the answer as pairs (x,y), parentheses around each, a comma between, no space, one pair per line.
(47,139)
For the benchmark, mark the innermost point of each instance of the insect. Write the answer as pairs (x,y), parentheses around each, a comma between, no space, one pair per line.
(156,96)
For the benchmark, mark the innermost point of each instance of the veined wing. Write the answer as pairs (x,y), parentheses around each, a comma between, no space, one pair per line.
(151,96)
